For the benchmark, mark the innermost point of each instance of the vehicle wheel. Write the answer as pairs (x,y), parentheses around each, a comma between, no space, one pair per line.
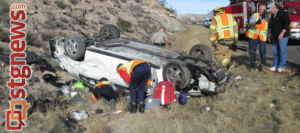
(201,51)
(109,32)
(177,73)
(75,46)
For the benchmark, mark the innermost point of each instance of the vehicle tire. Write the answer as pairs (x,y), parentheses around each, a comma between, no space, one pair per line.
(75,46)
(201,51)
(110,32)
(177,73)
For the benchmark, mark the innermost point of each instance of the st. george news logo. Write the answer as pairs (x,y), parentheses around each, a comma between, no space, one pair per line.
(19,71)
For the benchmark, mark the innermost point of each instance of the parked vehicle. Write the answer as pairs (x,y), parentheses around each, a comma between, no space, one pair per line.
(93,58)
(241,12)
(207,22)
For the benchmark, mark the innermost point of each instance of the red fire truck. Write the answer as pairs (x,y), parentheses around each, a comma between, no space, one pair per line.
(241,11)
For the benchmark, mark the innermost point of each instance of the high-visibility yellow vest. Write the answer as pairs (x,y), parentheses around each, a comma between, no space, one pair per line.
(224,27)
(128,67)
(99,84)
(259,30)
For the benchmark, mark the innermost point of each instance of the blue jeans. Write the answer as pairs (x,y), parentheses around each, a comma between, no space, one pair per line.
(139,78)
(262,51)
(279,50)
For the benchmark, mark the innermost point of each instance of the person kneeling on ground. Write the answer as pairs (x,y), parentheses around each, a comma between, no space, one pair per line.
(105,89)
(137,74)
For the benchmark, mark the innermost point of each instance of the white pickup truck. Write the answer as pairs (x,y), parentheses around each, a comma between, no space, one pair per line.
(92,59)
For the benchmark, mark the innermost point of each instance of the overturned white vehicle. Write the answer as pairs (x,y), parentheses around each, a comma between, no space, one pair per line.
(92,59)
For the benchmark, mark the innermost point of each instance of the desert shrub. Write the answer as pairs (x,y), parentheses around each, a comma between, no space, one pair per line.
(138,15)
(73,28)
(118,5)
(105,17)
(123,24)
(80,20)
(95,34)
(46,2)
(101,22)
(61,25)
(62,34)
(32,39)
(82,27)
(153,28)
(111,10)
(147,17)
(69,14)
(101,0)
(64,20)
(48,35)
(4,34)
(135,8)
(74,2)
(123,1)
(61,4)
(137,0)
(99,13)
(116,1)
(49,24)
(94,22)
(145,26)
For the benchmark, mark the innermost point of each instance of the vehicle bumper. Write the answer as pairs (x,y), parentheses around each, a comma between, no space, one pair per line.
(295,34)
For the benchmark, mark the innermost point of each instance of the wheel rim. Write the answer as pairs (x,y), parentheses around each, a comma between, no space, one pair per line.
(108,34)
(72,47)
(175,76)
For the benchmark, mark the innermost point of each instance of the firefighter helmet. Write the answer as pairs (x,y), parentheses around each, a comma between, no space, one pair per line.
(218,10)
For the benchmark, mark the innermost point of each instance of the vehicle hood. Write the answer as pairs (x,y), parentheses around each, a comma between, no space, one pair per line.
(294,4)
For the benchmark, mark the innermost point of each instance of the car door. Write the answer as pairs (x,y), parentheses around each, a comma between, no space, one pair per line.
(97,65)
(115,77)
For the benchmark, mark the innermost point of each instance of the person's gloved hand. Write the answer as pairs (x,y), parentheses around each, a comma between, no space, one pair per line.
(258,22)
(169,45)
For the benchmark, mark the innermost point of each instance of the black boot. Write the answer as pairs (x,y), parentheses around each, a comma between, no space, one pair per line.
(141,107)
(132,107)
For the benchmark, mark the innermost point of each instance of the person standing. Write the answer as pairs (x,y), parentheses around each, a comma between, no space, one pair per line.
(159,38)
(279,24)
(258,36)
(223,30)
(137,74)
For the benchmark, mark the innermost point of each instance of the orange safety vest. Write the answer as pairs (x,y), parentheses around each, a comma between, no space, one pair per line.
(224,27)
(128,67)
(259,30)
(99,84)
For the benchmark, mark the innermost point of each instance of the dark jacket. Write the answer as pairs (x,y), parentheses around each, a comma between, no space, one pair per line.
(280,22)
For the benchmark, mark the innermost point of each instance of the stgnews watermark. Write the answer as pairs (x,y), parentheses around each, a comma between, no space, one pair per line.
(19,71)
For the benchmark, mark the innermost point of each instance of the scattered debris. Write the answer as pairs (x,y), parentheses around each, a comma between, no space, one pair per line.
(65,90)
(205,109)
(98,111)
(104,114)
(283,87)
(72,94)
(77,99)
(232,102)
(33,79)
(272,105)
(31,57)
(236,85)
(117,112)
(182,99)
(73,88)
(79,85)
(80,116)
(238,77)
(87,89)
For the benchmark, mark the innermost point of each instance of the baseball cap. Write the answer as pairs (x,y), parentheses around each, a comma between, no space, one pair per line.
(270,6)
